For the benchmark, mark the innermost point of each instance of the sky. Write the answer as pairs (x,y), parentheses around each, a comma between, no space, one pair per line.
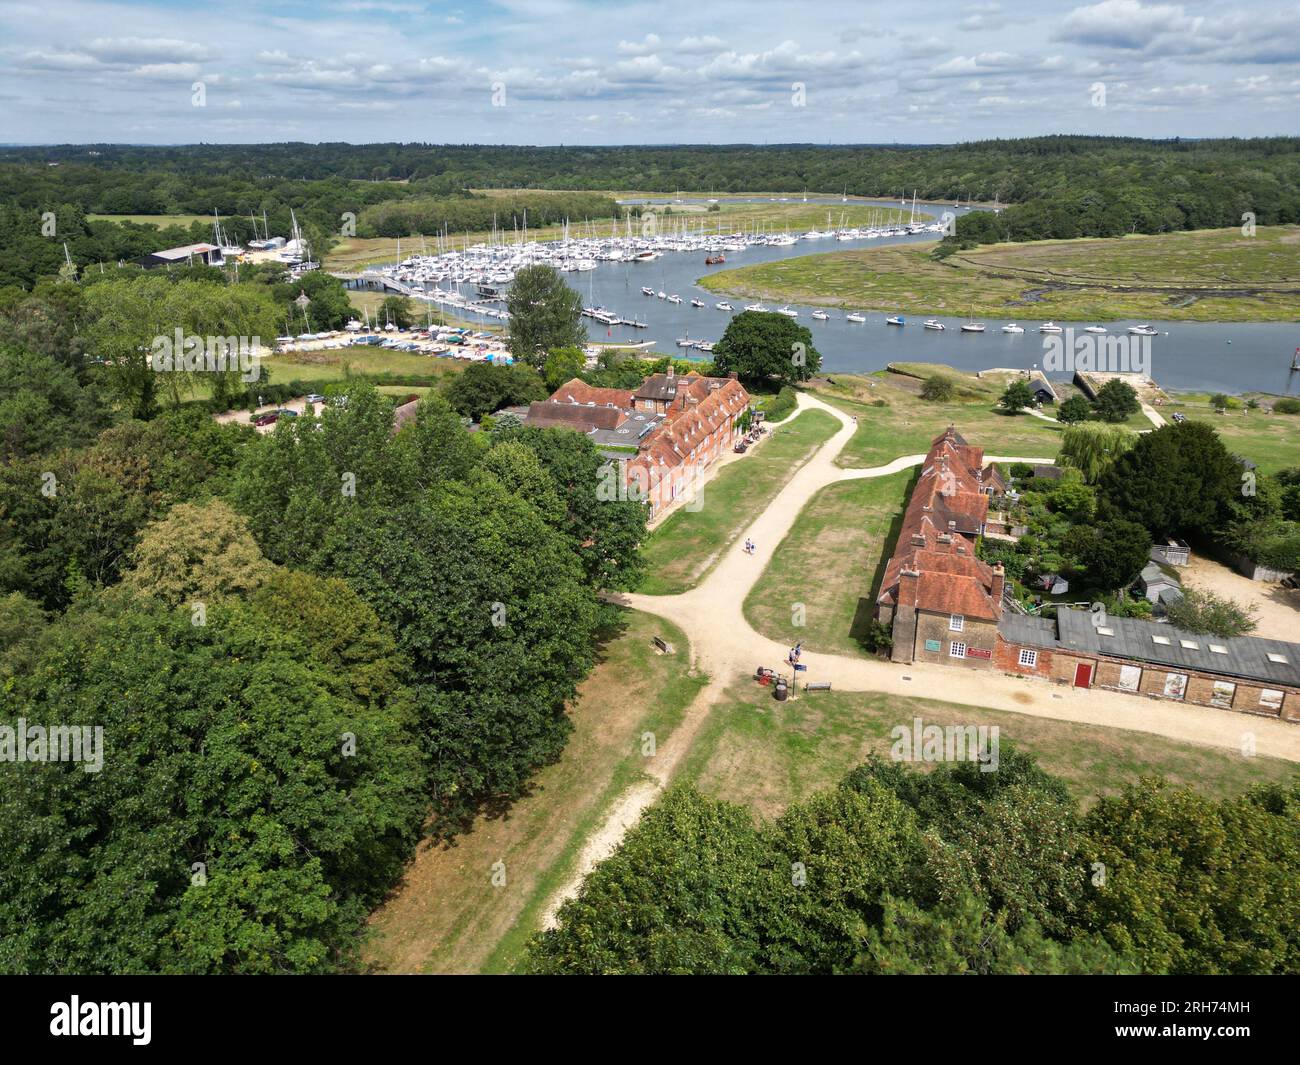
(672,71)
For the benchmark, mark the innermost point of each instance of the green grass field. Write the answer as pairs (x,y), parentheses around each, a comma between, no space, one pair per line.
(906,423)
(1206,275)
(162,221)
(681,551)
(765,754)
(447,916)
(818,586)
(1270,440)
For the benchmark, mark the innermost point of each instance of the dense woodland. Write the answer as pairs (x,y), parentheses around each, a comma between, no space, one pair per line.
(954,871)
(1061,186)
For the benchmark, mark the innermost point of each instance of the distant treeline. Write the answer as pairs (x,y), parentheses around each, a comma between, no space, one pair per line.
(460,214)
(1059,186)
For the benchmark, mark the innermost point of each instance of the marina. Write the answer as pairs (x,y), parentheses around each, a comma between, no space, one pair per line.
(629,270)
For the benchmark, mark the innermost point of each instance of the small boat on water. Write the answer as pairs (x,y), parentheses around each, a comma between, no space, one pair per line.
(1095,329)
(821,316)
(723,306)
(647,290)
(1143,331)
(934,323)
(674,299)
(756,307)
(855,317)
(789,312)
(896,319)
(1011,327)
(972,327)
(663,295)
(697,303)
(714,260)
(1050,327)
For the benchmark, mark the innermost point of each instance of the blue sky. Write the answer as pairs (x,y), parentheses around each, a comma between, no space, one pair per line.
(565,71)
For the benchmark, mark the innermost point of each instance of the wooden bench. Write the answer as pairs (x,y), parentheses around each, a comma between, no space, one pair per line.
(663,646)
(817,686)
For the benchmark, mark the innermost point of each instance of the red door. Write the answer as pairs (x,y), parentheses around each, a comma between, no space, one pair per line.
(1083,675)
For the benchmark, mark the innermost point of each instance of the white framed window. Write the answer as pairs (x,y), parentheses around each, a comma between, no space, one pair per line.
(957,649)
(1162,640)
(957,622)
(1218,649)
(1102,630)
(1280,659)
(1271,698)
(1190,645)
(1028,658)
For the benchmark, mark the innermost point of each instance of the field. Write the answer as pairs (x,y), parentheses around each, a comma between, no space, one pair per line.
(358,252)
(162,221)
(447,916)
(905,423)
(1270,440)
(1206,275)
(829,564)
(685,547)
(765,754)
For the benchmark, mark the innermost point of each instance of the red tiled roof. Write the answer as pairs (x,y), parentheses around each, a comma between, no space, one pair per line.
(946,509)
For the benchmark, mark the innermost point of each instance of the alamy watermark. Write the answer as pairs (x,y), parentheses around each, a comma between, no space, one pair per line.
(186,353)
(54,743)
(946,743)
(1069,352)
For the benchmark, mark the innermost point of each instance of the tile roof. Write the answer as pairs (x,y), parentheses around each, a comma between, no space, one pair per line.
(1242,656)
(947,506)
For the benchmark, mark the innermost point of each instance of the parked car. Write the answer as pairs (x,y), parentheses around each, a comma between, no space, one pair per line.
(269,418)
(741,448)
(1179,417)
(285,412)
(315,397)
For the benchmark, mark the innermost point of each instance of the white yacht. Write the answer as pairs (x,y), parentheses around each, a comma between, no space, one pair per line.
(1095,329)
(821,316)
(1143,331)
(896,319)
(756,307)
(972,327)
(647,290)
(674,299)
(663,295)
(855,317)
(789,312)
(723,306)
(1050,327)
(697,303)
(934,323)
(1011,327)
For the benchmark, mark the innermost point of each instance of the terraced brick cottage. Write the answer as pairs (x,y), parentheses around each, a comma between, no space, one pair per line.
(660,437)
(942,603)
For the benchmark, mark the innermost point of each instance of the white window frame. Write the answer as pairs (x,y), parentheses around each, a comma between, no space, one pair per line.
(956,622)
(1028,658)
(952,649)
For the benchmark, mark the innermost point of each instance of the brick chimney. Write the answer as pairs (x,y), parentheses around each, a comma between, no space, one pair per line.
(999,582)
(734,375)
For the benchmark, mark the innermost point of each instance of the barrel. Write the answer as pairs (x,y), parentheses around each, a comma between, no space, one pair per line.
(782,691)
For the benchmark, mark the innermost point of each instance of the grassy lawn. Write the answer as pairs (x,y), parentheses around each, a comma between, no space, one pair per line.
(162,221)
(336,364)
(1207,275)
(687,545)
(447,916)
(905,423)
(830,564)
(766,754)
(1270,440)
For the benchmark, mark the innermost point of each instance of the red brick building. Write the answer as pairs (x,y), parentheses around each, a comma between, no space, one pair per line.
(661,437)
